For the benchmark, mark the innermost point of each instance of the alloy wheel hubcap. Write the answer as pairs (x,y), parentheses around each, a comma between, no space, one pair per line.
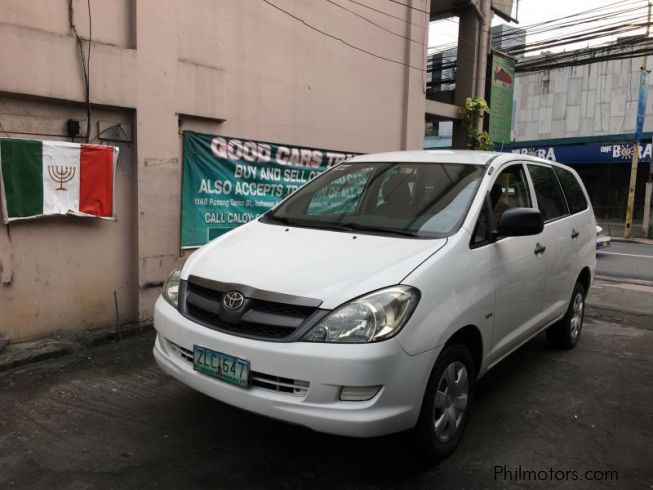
(576,316)
(451,399)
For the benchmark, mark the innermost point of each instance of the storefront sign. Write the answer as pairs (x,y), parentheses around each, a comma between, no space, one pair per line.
(590,153)
(502,79)
(228,182)
(641,103)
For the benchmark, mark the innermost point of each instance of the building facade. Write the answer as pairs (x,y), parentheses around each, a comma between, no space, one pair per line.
(441,79)
(274,71)
(585,116)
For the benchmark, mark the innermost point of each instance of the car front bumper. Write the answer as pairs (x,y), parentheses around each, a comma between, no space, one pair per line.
(326,368)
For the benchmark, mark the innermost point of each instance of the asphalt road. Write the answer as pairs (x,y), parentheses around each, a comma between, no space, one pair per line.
(626,261)
(109,418)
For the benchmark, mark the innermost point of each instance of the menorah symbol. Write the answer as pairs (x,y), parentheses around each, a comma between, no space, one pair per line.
(61,174)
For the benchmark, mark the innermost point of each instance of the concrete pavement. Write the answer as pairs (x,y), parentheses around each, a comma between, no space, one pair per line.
(108,418)
(626,261)
(630,300)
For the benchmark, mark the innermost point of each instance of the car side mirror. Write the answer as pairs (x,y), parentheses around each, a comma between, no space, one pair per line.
(521,222)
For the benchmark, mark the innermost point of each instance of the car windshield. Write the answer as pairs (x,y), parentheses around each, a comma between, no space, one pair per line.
(423,200)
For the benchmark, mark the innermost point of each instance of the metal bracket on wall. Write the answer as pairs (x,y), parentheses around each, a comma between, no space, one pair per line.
(112,131)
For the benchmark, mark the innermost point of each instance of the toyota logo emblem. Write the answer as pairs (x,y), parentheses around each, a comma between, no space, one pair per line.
(233,300)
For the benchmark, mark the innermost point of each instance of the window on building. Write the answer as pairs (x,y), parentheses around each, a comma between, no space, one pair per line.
(545,86)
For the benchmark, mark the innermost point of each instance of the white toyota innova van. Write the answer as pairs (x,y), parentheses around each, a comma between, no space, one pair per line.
(372,299)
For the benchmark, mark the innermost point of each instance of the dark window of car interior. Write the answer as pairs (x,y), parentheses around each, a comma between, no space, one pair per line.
(510,190)
(550,199)
(573,192)
(408,199)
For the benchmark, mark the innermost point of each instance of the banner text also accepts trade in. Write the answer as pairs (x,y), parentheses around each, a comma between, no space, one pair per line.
(228,182)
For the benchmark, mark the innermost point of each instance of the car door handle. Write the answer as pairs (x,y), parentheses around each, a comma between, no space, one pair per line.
(539,249)
(574,234)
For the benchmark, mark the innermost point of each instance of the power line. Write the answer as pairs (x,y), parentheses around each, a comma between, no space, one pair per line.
(585,57)
(410,7)
(324,33)
(373,23)
(564,35)
(562,22)
(561,32)
(387,14)
(85,58)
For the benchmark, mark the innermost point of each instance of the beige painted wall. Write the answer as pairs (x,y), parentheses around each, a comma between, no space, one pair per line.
(242,67)
(61,272)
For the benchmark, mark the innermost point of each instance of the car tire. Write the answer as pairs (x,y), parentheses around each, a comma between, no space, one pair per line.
(446,404)
(565,333)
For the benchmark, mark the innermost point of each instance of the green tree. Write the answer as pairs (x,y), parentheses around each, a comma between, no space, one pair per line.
(474,109)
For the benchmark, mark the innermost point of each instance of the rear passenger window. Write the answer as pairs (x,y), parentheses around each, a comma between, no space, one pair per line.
(573,192)
(550,199)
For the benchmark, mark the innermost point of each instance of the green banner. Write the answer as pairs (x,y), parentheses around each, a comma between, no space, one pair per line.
(502,81)
(227,182)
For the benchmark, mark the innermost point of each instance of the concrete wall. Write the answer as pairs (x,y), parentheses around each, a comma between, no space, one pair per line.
(590,100)
(60,273)
(239,68)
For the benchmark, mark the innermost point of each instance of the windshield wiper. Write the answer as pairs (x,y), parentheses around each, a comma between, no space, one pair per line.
(340,226)
(279,219)
(378,229)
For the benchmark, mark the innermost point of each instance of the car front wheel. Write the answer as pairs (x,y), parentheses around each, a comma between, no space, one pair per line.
(566,332)
(446,404)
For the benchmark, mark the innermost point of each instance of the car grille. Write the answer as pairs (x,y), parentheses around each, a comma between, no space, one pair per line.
(212,320)
(278,384)
(258,319)
(185,354)
(283,309)
(260,380)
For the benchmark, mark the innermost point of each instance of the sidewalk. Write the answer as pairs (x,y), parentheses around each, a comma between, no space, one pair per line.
(615,229)
(621,303)
(14,355)
(644,241)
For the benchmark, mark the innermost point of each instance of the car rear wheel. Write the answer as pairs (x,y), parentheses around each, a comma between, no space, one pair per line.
(446,404)
(566,332)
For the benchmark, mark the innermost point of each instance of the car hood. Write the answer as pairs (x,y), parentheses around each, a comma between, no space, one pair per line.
(326,265)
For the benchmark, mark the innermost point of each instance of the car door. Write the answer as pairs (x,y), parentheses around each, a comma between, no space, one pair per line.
(519,273)
(557,238)
(582,226)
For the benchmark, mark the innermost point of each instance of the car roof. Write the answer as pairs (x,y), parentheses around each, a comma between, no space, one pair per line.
(430,156)
(471,157)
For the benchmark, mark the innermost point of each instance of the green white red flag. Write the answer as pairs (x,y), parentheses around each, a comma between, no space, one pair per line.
(42,178)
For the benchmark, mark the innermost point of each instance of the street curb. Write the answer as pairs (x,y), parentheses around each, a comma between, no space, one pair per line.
(642,241)
(22,353)
(616,317)
(624,280)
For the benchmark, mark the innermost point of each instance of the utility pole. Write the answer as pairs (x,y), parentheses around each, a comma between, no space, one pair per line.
(640,122)
(646,223)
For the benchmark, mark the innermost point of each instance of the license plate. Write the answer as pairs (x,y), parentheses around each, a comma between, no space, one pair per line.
(228,368)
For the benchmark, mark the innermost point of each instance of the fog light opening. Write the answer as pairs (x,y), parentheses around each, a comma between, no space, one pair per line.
(358,393)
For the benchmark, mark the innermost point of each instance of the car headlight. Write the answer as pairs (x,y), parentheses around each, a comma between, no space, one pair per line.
(370,318)
(171,288)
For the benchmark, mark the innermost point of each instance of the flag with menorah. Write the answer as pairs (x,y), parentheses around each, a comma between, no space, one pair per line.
(41,178)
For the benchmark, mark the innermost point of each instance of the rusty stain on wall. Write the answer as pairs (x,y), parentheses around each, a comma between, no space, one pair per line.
(158,162)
